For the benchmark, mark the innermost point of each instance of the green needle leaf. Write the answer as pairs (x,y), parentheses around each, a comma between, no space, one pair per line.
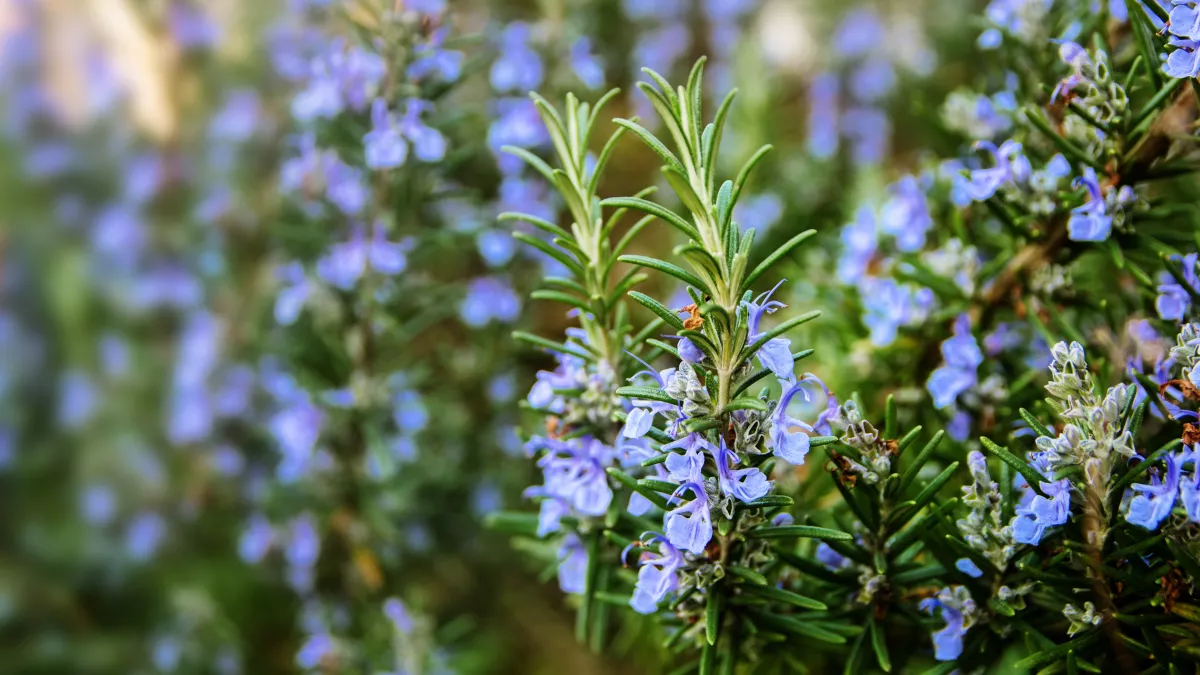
(632,483)
(512,522)
(890,424)
(671,318)
(663,213)
(1035,424)
(788,597)
(879,642)
(551,345)
(792,531)
(1031,475)
(910,474)
(712,615)
(778,253)
(667,268)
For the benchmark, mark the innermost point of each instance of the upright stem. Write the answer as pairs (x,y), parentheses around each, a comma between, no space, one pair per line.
(1095,528)
(725,369)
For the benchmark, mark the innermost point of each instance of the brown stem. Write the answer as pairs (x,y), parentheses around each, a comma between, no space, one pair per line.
(1095,532)
(1028,259)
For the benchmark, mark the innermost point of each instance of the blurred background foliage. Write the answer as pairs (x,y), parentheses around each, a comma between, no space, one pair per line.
(150,520)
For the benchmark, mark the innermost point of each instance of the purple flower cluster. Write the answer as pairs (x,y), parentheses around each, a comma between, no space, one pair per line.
(1184,27)
(1174,302)
(1036,513)
(1153,502)
(698,499)
(959,372)
(1093,220)
(846,102)
(887,304)
(958,610)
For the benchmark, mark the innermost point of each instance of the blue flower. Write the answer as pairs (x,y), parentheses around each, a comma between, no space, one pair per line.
(664,9)
(290,301)
(860,32)
(570,371)
(1048,177)
(958,374)
(1153,502)
(98,504)
(1184,20)
(586,65)
(776,353)
(526,195)
(689,527)
(409,413)
(77,399)
(398,614)
(550,513)
(658,574)
(346,262)
(572,565)
(256,539)
(426,7)
(860,241)
(302,550)
(516,123)
(1077,58)
(873,80)
(321,98)
(687,467)
(905,215)
(345,186)
(887,305)
(641,416)
(1174,300)
(744,484)
(792,446)
(959,426)
(968,567)
(430,58)
(831,558)
(190,27)
(1091,221)
(314,651)
(1189,486)
(868,129)
(1039,513)
(190,409)
(144,535)
(1011,167)
(1014,17)
(1184,61)
(496,248)
(638,504)
(166,654)
(358,73)
(574,473)
(428,143)
(954,603)
(823,115)
(237,120)
(489,299)
(759,212)
(297,426)
(661,48)
(383,145)
(118,235)
(688,351)
(518,67)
